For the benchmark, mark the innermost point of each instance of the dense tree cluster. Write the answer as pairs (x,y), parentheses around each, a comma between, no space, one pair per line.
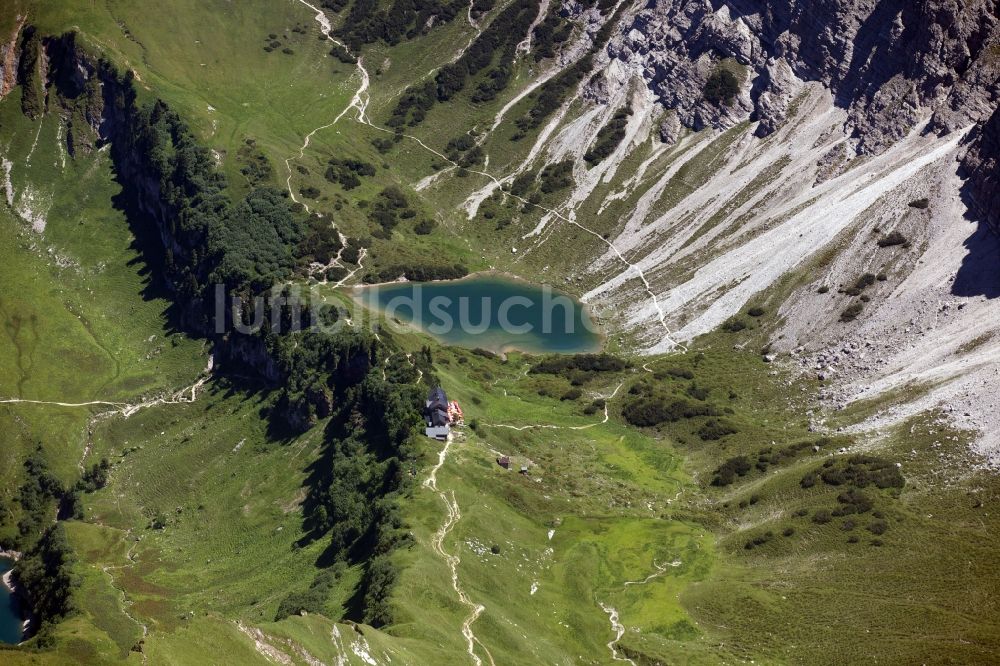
(320,241)
(256,243)
(366,22)
(46,574)
(389,207)
(343,55)
(248,246)
(556,176)
(549,34)
(579,368)
(492,53)
(256,168)
(609,137)
(555,91)
(348,172)
(39,496)
(722,86)
(415,272)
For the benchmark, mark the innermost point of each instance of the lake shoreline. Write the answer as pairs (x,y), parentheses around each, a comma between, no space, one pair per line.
(489,272)
(368,296)
(22,601)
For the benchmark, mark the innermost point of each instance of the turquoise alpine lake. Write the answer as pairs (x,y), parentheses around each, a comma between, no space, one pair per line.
(489,312)
(11,622)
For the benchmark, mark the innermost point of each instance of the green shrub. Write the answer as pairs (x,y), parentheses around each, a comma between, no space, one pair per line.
(853,501)
(852,312)
(651,411)
(348,172)
(716,429)
(343,55)
(756,312)
(893,239)
(865,281)
(588,363)
(609,137)
(556,176)
(921,204)
(424,226)
(758,540)
(314,599)
(735,325)
(878,527)
(722,86)
(698,392)
(727,472)
(862,471)
(571,394)
(821,517)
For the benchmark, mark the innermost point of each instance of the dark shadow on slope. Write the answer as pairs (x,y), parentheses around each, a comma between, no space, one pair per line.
(150,260)
(979,274)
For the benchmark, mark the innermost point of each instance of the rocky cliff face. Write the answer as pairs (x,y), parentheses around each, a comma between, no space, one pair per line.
(895,65)
(981,167)
(10,58)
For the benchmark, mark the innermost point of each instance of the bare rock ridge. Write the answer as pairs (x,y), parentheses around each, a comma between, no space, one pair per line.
(894,65)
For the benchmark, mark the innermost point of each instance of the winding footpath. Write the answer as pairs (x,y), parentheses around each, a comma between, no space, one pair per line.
(185,395)
(126,603)
(359,101)
(437,543)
